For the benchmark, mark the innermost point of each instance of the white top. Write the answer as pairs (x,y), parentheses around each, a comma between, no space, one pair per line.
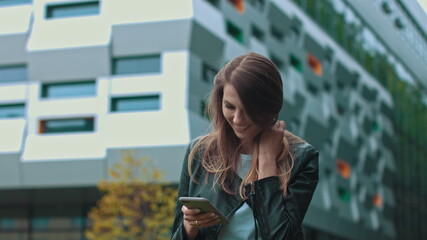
(241,226)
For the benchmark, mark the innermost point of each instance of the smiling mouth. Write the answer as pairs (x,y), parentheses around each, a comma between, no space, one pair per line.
(241,128)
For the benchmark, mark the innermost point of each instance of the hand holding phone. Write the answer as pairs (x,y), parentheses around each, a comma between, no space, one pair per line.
(204,205)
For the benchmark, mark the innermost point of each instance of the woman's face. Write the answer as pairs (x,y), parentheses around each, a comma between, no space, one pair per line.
(234,111)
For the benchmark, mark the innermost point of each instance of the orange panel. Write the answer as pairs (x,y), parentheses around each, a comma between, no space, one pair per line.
(343,168)
(239,4)
(377,200)
(315,65)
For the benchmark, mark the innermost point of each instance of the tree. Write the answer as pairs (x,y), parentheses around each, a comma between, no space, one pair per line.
(134,206)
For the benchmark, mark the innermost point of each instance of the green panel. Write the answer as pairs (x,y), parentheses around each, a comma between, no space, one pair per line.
(235,32)
(344,194)
(295,62)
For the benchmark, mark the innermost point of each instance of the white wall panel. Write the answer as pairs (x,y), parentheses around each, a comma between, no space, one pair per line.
(13,35)
(169,126)
(11,135)
(57,33)
(131,11)
(17,18)
(64,147)
(13,93)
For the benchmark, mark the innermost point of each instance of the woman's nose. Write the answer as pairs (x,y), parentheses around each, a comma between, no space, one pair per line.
(238,118)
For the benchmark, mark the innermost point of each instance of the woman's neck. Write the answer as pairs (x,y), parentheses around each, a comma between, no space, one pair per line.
(246,148)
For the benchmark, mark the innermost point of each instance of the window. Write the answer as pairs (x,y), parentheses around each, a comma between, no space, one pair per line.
(13,2)
(386,7)
(12,110)
(13,73)
(215,3)
(67,125)
(136,65)
(276,33)
(399,24)
(258,4)
(234,31)
(257,33)
(312,89)
(136,103)
(208,73)
(72,9)
(277,61)
(69,89)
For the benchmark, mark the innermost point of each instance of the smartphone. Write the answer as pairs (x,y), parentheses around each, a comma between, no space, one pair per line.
(204,205)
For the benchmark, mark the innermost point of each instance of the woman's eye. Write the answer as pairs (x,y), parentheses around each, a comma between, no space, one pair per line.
(229,106)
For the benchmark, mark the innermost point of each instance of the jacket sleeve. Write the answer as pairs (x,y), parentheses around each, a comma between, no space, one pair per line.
(178,231)
(281,218)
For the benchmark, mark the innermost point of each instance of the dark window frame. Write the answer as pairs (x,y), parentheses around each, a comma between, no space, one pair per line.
(44,90)
(74,6)
(114,101)
(89,125)
(156,57)
(11,105)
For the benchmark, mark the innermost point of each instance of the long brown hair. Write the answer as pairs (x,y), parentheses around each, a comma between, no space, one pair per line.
(259,86)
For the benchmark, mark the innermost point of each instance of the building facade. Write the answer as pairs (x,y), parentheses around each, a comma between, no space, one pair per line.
(82,81)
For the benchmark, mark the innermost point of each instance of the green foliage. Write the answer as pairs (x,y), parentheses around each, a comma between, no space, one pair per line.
(135,206)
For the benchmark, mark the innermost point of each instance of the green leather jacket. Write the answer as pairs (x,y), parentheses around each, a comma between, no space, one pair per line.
(278,217)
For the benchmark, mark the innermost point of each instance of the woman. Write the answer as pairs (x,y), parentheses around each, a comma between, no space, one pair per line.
(257,174)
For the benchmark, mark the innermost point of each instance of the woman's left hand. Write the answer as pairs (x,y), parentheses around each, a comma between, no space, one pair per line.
(270,146)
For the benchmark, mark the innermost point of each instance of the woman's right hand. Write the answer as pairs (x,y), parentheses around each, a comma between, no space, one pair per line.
(194,219)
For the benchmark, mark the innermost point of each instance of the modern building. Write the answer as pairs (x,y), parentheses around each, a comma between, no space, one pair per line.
(82,81)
